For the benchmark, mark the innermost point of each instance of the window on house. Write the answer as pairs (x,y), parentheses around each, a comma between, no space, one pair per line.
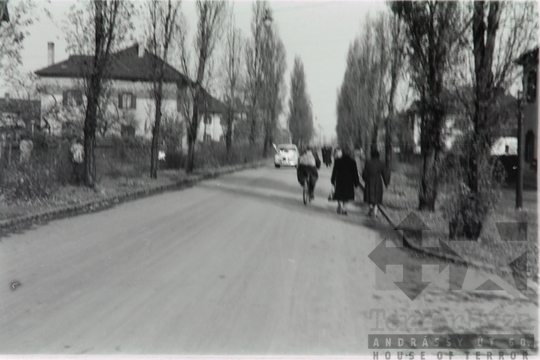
(531,85)
(72,98)
(207,119)
(127,101)
(207,138)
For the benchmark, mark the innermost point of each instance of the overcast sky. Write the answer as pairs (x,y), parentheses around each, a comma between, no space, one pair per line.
(320,32)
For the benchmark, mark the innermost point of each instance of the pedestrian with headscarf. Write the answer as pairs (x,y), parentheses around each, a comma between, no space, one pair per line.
(344,179)
(375,174)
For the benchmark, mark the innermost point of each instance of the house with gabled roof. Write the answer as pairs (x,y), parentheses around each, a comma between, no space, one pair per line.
(129,78)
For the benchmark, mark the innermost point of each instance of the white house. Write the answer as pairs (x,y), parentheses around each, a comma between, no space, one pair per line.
(212,126)
(130,93)
(456,125)
(505,145)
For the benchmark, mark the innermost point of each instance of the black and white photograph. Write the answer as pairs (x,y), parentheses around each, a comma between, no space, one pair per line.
(269,178)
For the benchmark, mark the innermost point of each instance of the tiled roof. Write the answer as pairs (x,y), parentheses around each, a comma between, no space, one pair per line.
(125,65)
(212,104)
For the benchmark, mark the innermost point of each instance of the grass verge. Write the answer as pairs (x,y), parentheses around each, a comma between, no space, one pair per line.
(401,198)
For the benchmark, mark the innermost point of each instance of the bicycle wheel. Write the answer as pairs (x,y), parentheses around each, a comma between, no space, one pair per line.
(306,192)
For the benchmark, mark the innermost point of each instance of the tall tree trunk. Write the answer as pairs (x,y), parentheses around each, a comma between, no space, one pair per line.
(483,59)
(192,132)
(253,128)
(430,181)
(474,211)
(265,144)
(191,155)
(156,134)
(388,142)
(229,132)
(432,116)
(90,125)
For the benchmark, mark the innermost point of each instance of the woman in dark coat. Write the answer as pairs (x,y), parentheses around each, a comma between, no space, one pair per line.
(374,175)
(345,179)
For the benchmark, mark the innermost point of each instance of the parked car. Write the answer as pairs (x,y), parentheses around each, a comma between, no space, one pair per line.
(287,155)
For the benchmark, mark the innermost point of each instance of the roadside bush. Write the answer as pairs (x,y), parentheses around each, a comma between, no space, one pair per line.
(118,157)
(466,211)
(28,181)
(215,154)
(174,160)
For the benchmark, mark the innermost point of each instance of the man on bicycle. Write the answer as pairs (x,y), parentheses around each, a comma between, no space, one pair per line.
(308,163)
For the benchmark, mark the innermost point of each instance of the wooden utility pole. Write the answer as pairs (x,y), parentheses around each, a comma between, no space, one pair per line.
(519,181)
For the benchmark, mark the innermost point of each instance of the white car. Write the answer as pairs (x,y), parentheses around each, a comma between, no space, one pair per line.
(287,155)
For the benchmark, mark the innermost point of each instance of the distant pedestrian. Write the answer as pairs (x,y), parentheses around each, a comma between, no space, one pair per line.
(26,146)
(374,175)
(344,179)
(308,164)
(77,160)
(327,155)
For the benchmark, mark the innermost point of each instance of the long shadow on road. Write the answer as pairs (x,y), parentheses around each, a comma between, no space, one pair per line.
(284,195)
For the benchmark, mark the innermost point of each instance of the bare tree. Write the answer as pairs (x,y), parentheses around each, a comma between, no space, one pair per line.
(396,58)
(95,29)
(23,85)
(211,15)
(233,66)
(254,65)
(350,133)
(500,32)
(433,30)
(22,14)
(163,26)
(300,115)
(366,98)
(273,85)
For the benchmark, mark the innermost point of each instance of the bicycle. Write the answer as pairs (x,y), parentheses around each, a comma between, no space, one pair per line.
(305,190)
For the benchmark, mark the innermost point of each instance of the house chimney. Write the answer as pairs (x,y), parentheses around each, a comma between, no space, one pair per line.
(141,50)
(50,53)
(6,96)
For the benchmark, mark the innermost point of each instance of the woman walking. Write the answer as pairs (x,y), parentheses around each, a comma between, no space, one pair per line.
(344,178)
(374,174)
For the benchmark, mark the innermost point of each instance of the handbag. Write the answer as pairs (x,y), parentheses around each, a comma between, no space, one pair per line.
(332,195)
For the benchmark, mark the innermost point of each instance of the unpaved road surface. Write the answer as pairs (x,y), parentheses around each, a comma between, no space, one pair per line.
(235,265)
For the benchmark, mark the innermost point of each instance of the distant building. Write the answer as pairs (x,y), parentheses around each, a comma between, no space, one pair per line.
(529,62)
(131,99)
(455,125)
(212,127)
(504,146)
(457,122)
(20,115)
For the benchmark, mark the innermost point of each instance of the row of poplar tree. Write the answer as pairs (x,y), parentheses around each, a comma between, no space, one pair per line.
(422,51)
